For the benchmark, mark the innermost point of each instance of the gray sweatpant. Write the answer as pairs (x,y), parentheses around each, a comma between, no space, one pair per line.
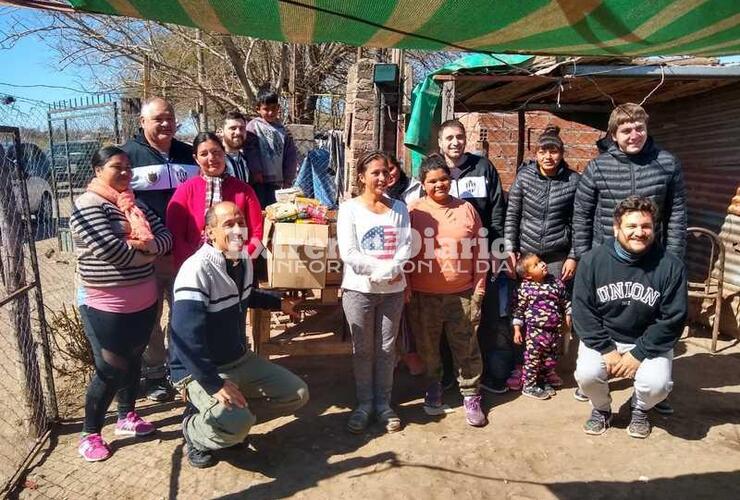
(373,320)
(652,381)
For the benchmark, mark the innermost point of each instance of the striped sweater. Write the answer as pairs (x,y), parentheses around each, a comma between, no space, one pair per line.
(99,231)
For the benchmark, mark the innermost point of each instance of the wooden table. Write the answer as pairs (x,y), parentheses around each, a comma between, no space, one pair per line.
(300,339)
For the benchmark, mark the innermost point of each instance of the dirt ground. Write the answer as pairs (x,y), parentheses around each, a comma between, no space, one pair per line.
(530,449)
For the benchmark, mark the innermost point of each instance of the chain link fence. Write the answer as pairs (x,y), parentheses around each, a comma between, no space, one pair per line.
(27,397)
(45,163)
(76,130)
(45,154)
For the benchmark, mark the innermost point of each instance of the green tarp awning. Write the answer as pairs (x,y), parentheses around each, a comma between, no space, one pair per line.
(567,27)
(426,98)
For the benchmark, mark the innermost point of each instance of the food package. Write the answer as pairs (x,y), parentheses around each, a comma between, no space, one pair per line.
(288,195)
(282,212)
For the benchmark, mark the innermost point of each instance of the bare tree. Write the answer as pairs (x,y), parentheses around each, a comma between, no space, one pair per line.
(116,51)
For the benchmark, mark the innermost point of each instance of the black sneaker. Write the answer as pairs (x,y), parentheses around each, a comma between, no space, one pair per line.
(159,390)
(535,392)
(494,387)
(664,408)
(200,459)
(598,423)
(550,390)
(639,426)
(579,395)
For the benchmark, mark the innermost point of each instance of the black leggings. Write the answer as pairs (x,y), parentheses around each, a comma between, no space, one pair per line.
(118,341)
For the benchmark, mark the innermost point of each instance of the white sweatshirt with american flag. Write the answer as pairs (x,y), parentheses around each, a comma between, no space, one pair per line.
(373,247)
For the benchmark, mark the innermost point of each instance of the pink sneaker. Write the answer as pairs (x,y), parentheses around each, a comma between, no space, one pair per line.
(133,425)
(553,379)
(514,382)
(93,448)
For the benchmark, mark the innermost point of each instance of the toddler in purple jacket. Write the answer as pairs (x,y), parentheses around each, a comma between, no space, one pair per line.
(541,303)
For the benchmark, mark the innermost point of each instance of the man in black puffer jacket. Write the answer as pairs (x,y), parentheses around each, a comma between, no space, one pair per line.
(630,164)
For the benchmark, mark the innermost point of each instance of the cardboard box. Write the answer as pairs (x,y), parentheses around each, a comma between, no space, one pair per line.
(333,263)
(296,254)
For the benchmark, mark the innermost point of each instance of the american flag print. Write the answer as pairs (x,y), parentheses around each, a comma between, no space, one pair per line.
(380,242)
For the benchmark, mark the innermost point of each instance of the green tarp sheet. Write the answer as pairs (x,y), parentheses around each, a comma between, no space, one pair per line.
(566,27)
(426,98)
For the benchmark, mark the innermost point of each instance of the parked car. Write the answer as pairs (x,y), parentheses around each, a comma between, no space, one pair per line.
(80,154)
(36,171)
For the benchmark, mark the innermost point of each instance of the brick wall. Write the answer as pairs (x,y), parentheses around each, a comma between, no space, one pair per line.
(502,132)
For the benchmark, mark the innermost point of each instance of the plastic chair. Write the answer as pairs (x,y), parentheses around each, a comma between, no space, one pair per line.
(711,287)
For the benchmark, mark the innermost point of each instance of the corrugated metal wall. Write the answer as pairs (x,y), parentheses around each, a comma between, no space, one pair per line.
(704,132)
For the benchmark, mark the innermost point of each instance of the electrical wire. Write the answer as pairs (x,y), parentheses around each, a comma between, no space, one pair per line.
(39,86)
(662,79)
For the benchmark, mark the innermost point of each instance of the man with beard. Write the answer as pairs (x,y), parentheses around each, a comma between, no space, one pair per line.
(630,164)
(234,136)
(629,308)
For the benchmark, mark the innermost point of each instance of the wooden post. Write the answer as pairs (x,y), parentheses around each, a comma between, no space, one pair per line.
(292,75)
(259,320)
(520,139)
(202,101)
(147,77)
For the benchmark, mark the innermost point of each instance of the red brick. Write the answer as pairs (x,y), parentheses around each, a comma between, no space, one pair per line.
(501,135)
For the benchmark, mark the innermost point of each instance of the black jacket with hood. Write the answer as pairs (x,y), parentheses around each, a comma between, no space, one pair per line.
(613,176)
(155,177)
(540,211)
(480,185)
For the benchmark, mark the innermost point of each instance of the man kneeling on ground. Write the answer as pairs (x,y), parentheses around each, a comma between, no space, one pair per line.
(228,387)
(629,308)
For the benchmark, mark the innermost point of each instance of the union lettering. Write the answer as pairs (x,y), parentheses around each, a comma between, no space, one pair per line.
(628,290)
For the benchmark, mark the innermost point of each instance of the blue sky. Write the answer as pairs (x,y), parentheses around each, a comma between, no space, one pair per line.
(30,69)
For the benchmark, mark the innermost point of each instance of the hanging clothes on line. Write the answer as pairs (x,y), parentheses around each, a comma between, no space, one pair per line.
(317,176)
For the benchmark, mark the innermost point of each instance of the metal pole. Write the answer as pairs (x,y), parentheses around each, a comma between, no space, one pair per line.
(116,130)
(376,121)
(69,165)
(54,179)
(399,109)
(381,131)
